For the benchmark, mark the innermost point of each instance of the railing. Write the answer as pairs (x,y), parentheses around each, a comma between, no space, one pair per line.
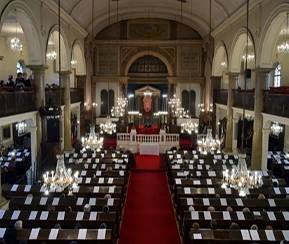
(76,95)
(132,140)
(221,96)
(277,104)
(248,99)
(148,138)
(16,102)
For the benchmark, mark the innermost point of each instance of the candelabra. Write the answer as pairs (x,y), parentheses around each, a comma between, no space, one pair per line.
(240,178)
(208,144)
(60,179)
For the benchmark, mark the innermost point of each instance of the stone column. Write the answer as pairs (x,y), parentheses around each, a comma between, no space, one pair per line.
(265,145)
(65,81)
(260,81)
(230,102)
(286,139)
(217,121)
(39,88)
(78,123)
(235,128)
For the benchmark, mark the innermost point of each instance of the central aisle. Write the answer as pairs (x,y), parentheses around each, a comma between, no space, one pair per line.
(149,215)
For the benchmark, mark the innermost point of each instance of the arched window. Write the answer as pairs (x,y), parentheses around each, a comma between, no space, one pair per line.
(20,67)
(111,99)
(104,101)
(277,76)
(193,103)
(185,100)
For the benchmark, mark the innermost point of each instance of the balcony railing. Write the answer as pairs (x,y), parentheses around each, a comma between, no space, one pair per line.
(221,96)
(16,102)
(76,95)
(277,104)
(241,97)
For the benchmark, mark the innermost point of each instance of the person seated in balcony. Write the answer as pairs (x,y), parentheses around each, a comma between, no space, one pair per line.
(10,82)
(27,80)
(19,81)
(1,83)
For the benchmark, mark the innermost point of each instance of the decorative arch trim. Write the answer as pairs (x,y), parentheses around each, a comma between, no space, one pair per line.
(237,49)
(155,53)
(33,34)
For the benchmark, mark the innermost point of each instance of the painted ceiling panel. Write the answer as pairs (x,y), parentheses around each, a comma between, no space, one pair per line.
(193,10)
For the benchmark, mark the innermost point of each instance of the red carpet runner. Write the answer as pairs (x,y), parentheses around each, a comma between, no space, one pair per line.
(149,215)
(146,162)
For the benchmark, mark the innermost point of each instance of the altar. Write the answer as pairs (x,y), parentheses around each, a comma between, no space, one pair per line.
(149,149)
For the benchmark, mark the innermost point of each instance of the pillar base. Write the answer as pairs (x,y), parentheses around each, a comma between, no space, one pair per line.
(228,150)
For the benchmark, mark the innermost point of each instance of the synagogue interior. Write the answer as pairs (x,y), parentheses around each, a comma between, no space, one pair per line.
(144,122)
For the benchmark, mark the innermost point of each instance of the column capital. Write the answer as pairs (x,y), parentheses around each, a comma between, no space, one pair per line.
(65,72)
(232,74)
(260,70)
(39,67)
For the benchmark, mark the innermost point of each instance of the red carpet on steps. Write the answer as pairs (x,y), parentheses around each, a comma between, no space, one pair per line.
(149,216)
(147,162)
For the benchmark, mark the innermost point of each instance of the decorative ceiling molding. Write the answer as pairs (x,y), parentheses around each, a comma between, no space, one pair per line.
(79,10)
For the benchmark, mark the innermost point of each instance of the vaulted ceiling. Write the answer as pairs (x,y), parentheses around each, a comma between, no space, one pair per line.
(195,13)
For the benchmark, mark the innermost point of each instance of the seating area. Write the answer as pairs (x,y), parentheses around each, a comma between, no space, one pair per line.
(207,212)
(92,211)
(13,164)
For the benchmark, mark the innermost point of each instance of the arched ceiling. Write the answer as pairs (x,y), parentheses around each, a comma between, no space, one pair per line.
(195,12)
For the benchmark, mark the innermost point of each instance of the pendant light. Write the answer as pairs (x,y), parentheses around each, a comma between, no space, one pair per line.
(15,42)
(283,44)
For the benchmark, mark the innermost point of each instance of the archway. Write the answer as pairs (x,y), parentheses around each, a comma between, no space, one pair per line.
(17,23)
(52,57)
(147,86)
(220,65)
(270,57)
(238,51)
(238,57)
(77,62)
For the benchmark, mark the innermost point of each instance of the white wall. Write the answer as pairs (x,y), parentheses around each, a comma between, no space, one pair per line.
(8,64)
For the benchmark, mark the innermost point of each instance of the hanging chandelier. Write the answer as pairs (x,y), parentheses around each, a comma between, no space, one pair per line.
(16,44)
(283,43)
(208,144)
(250,55)
(276,129)
(119,110)
(60,179)
(176,109)
(52,55)
(174,103)
(201,106)
(108,127)
(92,142)
(181,113)
(240,178)
(189,127)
